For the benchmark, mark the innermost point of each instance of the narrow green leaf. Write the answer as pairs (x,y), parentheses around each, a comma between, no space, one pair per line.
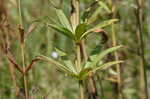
(93,57)
(103,24)
(59,65)
(63,19)
(70,65)
(107,65)
(87,13)
(60,52)
(112,71)
(100,26)
(103,5)
(80,29)
(94,13)
(93,16)
(94,10)
(87,65)
(104,53)
(62,30)
(96,50)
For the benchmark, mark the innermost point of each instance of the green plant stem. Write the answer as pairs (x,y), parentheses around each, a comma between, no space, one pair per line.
(75,19)
(118,66)
(22,51)
(77,7)
(143,76)
(78,51)
(24,76)
(84,53)
(78,58)
(75,13)
(81,90)
(20,15)
(114,43)
(101,86)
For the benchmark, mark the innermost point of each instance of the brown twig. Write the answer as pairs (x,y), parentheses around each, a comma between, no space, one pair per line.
(15,64)
(118,66)
(143,77)
(31,65)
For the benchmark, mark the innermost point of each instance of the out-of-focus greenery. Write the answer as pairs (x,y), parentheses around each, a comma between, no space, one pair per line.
(44,79)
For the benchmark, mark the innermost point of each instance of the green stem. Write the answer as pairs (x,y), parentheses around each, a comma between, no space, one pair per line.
(81,90)
(20,14)
(83,48)
(22,50)
(24,76)
(143,76)
(75,20)
(118,66)
(75,13)
(78,58)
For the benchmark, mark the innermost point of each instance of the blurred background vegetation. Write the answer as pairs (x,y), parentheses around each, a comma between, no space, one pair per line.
(47,81)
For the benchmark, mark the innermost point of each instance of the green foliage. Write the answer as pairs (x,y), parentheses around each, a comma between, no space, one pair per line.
(81,30)
(103,54)
(69,67)
(47,80)
(90,15)
(62,30)
(63,19)
(99,26)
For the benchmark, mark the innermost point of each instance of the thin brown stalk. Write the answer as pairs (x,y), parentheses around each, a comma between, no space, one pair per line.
(22,45)
(118,66)
(143,77)
(15,64)
(31,65)
(75,13)
(24,76)
(101,86)
(93,87)
(78,52)
(5,48)
(11,65)
(81,90)
(83,51)
(13,77)
(5,45)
